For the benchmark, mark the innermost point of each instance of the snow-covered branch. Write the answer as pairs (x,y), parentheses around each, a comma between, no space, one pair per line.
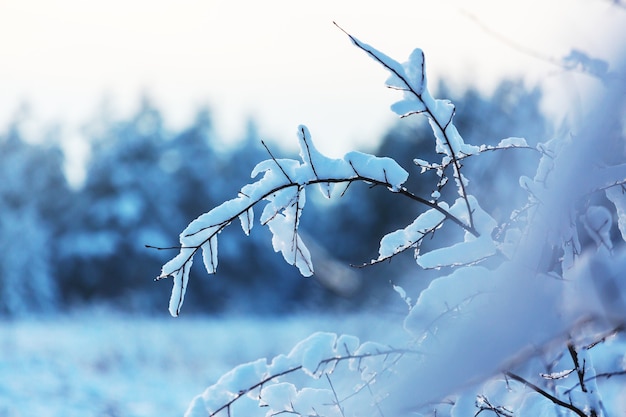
(410,78)
(262,387)
(283,187)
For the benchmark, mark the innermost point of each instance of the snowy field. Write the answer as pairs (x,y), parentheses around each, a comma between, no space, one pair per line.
(112,365)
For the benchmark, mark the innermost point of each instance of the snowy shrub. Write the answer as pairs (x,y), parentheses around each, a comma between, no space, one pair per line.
(526,318)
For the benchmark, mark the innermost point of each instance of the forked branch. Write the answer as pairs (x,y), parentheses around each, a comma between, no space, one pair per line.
(417,89)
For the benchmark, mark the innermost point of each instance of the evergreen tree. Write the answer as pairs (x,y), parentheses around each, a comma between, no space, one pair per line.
(33,195)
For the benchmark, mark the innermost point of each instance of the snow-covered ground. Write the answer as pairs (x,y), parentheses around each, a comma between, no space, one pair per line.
(101,364)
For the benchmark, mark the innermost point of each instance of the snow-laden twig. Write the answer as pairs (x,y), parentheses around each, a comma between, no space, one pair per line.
(264,383)
(504,144)
(410,78)
(282,186)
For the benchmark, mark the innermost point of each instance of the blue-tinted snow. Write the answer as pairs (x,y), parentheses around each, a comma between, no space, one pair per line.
(93,364)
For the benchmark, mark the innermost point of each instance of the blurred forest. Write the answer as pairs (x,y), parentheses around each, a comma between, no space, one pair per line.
(66,248)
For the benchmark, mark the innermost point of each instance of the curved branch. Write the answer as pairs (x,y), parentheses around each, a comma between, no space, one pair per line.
(402,191)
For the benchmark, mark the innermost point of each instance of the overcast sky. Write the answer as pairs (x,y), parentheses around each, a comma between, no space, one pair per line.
(282,62)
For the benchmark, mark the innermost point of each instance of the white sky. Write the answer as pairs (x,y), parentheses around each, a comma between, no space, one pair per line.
(280,61)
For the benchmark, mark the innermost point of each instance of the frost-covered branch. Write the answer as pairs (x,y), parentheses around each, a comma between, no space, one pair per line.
(410,78)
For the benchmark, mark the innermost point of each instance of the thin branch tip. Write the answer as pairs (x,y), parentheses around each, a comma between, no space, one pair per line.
(162,248)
